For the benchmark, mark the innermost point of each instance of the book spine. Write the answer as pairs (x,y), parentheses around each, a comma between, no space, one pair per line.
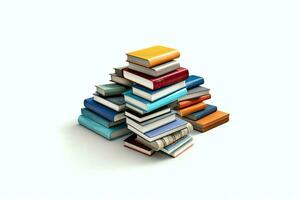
(164,58)
(99,109)
(192,109)
(170,79)
(186,103)
(194,83)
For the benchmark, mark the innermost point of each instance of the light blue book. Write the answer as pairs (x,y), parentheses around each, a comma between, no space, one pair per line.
(108,133)
(150,106)
(100,120)
(172,147)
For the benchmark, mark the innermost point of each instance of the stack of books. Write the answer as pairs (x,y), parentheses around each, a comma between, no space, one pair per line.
(104,113)
(192,109)
(158,80)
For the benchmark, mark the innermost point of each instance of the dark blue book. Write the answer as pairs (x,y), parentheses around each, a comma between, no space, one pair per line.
(202,113)
(103,111)
(193,81)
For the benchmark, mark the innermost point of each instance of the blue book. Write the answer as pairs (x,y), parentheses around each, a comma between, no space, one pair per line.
(103,111)
(108,133)
(202,113)
(150,106)
(161,131)
(100,120)
(193,81)
(172,147)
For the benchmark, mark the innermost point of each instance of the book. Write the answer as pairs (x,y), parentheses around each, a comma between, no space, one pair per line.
(210,121)
(191,109)
(100,120)
(153,95)
(110,89)
(202,113)
(152,123)
(150,106)
(195,92)
(108,133)
(154,83)
(120,80)
(152,56)
(103,111)
(156,71)
(186,103)
(144,117)
(165,141)
(176,145)
(193,81)
(181,149)
(131,143)
(116,103)
(119,71)
(135,109)
(162,131)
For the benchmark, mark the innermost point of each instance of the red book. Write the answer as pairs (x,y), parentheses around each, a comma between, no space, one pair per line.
(154,83)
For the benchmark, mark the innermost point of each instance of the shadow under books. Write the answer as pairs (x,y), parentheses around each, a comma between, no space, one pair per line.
(85,149)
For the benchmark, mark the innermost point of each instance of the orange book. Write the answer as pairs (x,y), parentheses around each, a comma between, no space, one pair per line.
(191,109)
(186,103)
(152,56)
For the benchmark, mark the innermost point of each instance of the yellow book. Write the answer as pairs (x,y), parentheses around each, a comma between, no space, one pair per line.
(152,56)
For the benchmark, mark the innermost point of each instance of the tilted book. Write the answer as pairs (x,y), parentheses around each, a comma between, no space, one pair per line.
(186,103)
(180,150)
(152,56)
(191,109)
(202,113)
(131,143)
(110,89)
(193,81)
(176,145)
(195,92)
(108,133)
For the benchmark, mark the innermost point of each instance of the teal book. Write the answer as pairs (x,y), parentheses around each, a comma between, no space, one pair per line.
(149,106)
(100,120)
(110,89)
(108,133)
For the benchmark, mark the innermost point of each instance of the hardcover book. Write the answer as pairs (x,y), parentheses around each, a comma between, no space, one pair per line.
(152,56)
(116,103)
(202,113)
(119,71)
(103,111)
(108,133)
(191,109)
(193,81)
(186,103)
(144,117)
(181,149)
(195,92)
(154,83)
(162,131)
(110,89)
(156,71)
(100,120)
(150,106)
(176,145)
(131,143)
(153,95)
(120,80)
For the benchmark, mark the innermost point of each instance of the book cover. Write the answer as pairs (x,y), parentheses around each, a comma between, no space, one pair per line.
(100,120)
(154,83)
(110,89)
(193,81)
(152,56)
(108,133)
(186,103)
(131,143)
(150,106)
(202,113)
(102,110)
(191,109)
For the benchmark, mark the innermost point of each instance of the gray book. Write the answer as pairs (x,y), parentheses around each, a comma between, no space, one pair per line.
(194,93)
(157,70)
(116,103)
(120,80)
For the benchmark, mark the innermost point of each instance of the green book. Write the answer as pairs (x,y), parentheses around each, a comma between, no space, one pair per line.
(110,89)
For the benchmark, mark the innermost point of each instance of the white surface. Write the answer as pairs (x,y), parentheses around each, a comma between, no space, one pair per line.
(53,53)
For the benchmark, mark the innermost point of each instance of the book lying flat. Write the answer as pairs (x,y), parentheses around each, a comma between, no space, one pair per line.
(156,71)
(150,106)
(207,128)
(110,89)
(202,113)
(116,103)
(154,83)
(161,131)
(103,111)
(119,71)
(131,143)
(181,149)
(193,81)
(152,56)
(191,109)
(153,95)
(173,147)
(144,117)
(152,123)
(194,93)
(186,103)
(120,80)
(108,133)
(100,120)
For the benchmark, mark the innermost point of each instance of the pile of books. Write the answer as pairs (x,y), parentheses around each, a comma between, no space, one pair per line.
(155,101)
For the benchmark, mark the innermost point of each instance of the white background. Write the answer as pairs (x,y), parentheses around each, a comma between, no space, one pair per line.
(52,53)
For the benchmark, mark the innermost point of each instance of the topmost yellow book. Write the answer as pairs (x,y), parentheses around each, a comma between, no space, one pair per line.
(152,56)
